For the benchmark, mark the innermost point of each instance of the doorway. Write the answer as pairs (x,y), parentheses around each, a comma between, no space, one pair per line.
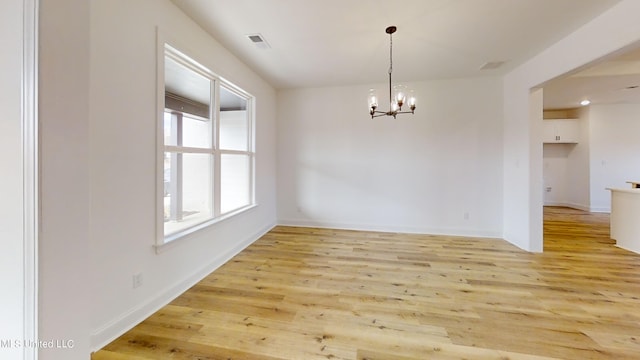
(603,153)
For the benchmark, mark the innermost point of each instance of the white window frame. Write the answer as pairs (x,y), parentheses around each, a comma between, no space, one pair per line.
(166,49)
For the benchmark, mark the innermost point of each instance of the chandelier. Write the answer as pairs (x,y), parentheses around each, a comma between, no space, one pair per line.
(398,97)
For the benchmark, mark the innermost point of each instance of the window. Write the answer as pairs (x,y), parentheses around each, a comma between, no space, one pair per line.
(206,156)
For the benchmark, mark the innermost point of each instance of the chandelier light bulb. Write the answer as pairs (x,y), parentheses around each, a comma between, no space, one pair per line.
(373,101)
(412,100)
(400,95)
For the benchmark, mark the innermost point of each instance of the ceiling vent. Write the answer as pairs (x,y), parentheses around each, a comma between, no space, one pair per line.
(259,41)
(491,65)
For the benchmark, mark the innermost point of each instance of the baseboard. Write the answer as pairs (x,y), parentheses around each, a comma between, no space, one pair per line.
(390,228)
(123,323)
(553,203)
(569,205)
(580,207)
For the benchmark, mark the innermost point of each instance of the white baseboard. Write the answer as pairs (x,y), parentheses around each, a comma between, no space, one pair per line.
(579,207)
(390,228)
(553,203)
(123,323)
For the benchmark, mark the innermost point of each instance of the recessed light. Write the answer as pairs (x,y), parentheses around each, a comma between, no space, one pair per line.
(585,102)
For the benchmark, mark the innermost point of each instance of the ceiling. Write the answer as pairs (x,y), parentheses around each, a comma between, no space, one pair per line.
(614,80)
(315,43)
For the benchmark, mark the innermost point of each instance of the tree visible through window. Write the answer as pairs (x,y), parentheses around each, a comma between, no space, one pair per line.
(207,150)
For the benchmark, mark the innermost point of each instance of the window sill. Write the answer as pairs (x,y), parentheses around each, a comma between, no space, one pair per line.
(172,239)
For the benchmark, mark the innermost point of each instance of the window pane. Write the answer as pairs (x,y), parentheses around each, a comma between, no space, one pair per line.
(187,102)
(188,88)
(170,129)
(234,182)
(234,122)
(187,190)
(184,130)
(234,130)
(196,132)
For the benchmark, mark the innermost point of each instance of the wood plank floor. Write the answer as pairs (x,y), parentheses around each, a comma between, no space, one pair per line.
(302,293)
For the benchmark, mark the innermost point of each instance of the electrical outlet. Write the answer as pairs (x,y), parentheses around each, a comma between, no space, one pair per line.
(137,280)
(466,216)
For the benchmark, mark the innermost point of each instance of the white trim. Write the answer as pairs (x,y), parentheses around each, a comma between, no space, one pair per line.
(167,49)
(123,323)
(30,173)
(569,205)
(187,150)
(181,234)
(187,61)
(236,152)
(159,203)
(580,207)
(391,228)
(216,193)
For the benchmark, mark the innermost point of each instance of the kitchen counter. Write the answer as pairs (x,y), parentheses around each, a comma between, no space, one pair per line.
(625,215)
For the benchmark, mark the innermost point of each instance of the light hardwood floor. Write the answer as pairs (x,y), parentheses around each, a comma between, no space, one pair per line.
(302,293)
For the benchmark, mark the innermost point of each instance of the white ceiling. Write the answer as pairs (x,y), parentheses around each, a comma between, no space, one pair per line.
(316,43)
(610,81)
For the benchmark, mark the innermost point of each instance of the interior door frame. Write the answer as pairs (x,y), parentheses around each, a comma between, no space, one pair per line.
(29,123)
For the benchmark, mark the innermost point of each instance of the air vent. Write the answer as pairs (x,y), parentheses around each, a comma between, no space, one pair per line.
(259,41)
(491,65)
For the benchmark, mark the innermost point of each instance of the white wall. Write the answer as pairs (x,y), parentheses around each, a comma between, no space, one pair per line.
(555,160)
(98,118)
(338,167)
(123,151)
(64,278)
(97,107)
(578,179)
(11,235)
(607,155)
(615,150)
(611,31)
(566,170)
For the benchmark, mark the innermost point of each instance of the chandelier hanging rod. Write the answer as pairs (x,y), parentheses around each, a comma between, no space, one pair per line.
(395,102)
